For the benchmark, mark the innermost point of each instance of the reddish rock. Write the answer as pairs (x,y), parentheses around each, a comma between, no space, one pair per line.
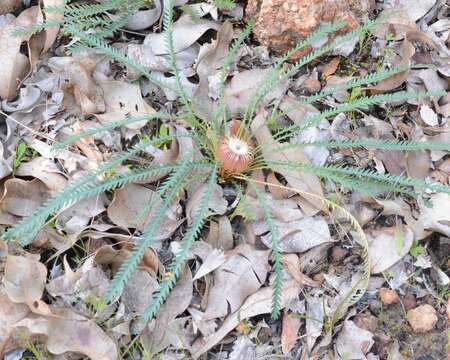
(388,296)
(280,24)
(422,319)
(409,301)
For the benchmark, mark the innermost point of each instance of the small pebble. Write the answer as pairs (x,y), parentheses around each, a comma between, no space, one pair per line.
(422,319)
(388,296)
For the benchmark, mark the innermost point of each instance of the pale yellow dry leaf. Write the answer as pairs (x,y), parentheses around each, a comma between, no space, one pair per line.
(220,233)
(387,246)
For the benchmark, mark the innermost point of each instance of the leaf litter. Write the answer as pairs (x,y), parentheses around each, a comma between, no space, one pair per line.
(53,300)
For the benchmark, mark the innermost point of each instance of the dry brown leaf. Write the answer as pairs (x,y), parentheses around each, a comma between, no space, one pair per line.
(242,274)
(315,316)
(396,24)
(8,6)
(240,91)
(51,33)
(277,192)
(44,170)
(387,246)
(87,282)
(211,262)
(157,336)
(289,331)
(331,67)
(88,95)
(418,164)
(256,304)
(209,63)
(353,342)
(128,203)
(296,179)
(24,279)
(296,236)
(406,52)
(123,99)
(66,331)
(10,314)
(143,19)
(186,32)
(107,255)
(285,210)
(75,218)
(14,64)
(220,233)
(414,9)
(217,202)
(437,217)
(22,197)
(137,294)
(292,265)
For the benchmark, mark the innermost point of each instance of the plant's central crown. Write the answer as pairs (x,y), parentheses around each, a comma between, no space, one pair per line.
(234,154)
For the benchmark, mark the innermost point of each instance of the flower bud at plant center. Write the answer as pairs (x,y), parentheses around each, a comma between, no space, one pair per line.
(235,155)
